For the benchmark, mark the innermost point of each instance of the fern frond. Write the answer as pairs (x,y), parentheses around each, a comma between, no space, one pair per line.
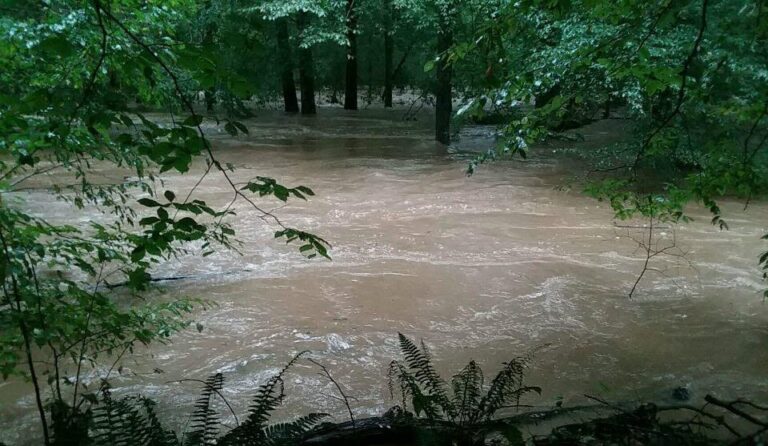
(205,420)
(158,435)
(268,397)
(128,422)
(467,392)
(409,387)
(114,422)
(398,373)
(507,387)
(434,399)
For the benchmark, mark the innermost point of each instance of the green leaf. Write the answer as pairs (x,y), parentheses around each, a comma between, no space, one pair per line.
(148,202)
(193,121)
(230,128)
(240,127)
(138,253)
(148,221)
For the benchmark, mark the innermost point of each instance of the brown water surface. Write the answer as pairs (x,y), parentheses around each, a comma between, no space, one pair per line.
(481,268)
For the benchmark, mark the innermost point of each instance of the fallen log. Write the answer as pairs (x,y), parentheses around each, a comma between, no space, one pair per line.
(177,278)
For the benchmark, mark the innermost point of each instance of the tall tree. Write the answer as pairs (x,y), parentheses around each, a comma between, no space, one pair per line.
(306,68)
(389,49)
(350,86)
(286,64)
(444,71)
(209,31)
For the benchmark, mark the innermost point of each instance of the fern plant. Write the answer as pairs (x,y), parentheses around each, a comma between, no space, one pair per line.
(132,421)
(205,419)
(471,404)
(255,431)
(419,380)
(128,421)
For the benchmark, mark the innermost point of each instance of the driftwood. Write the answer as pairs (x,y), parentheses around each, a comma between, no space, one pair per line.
(363,431)
(395,427)
(399,428)
(177,278)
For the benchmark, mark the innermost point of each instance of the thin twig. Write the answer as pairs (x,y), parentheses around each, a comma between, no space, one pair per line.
(344,397)
(716,418)
(605,403)
(730,406)
(647,258)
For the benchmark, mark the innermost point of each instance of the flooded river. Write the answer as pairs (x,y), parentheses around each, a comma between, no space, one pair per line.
(482,268)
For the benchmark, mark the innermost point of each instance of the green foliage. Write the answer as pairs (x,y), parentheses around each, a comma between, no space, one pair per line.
(311,245)
(126,421)
(627,204)
(254,429)
(269,396)
(132,420)
(471,402)
(689,75)
(205,424)
(419,380)
(268,186)
(76,76)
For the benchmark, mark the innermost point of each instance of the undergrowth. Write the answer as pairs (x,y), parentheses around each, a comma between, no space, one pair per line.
(467,410)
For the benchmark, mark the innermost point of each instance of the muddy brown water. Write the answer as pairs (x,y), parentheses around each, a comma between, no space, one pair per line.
(481,268)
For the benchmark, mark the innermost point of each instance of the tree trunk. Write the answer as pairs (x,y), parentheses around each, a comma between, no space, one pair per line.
(210,99)
(369,95)
(443,99)
(286,65)
(306,70)
(389,50)
(208,41)
(350,88)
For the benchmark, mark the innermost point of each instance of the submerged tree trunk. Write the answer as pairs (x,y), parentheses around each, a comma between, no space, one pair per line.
(369,95)
(443,97)
(350,88)
(286,65)
(306,70)
(210,99)
(389,49)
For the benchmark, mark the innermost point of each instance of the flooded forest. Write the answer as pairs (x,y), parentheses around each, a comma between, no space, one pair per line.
(383,222)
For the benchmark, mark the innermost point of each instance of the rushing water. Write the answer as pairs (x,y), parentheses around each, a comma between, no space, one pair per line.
(481,268)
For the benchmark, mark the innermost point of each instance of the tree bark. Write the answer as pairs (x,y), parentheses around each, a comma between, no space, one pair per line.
(208,40)
(210,99)
(369,95)
(306,70)
(389,50)
(443,97)
(286,64)
(350,86)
